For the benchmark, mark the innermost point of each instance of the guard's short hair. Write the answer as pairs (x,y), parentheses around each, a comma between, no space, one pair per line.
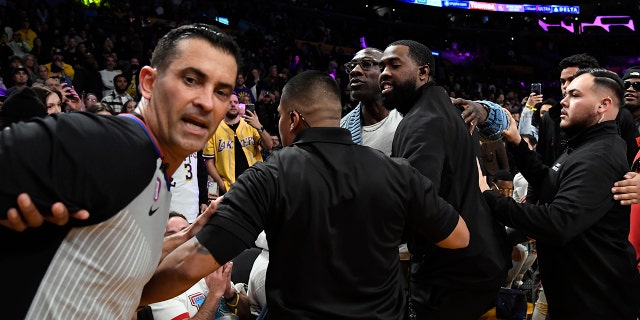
(99,107)
(372,51)
(176,214)
(165,51)
(311,86)
(608,79)
(419,53)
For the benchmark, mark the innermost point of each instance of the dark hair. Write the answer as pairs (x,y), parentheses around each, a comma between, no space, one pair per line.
(119,75)
(176,214)
(372,52)
(418,52)
(165,51)
(43,92)
(537,117)
(580,61)
(309,86)
(607,79)
(98,107)
(503,175)
(124,109)
(532,139)
(15,58)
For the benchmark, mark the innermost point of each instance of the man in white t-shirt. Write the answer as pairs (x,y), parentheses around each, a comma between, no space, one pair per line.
(107,74)
(370,123)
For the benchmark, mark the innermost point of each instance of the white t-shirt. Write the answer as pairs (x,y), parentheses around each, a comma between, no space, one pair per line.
(258,276)
(107,81)
(520,186)
(187,304)
(380,135)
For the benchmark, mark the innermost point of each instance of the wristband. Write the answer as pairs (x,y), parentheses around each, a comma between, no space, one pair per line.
(235,297)
(234,306)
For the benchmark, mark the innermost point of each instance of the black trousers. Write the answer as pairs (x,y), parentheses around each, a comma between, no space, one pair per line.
(455,304)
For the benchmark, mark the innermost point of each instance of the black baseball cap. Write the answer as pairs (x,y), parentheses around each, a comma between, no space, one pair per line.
(632,72)
(19,68)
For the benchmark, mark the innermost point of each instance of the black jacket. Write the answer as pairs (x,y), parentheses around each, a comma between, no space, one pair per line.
(552,142)
(586,262)
(435,140)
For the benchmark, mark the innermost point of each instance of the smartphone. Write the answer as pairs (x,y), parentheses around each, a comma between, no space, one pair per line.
(212,188)
(251,107)
(536,88)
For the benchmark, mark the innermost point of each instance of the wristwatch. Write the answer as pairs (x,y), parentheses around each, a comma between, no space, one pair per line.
(261,129)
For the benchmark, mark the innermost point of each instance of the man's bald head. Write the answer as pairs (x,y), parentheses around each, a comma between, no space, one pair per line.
(313,93)
(309,99)
(373,53)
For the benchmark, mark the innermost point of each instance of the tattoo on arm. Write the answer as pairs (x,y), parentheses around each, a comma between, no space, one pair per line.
(200,248)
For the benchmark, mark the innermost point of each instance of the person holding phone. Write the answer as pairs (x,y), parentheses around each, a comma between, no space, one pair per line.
(580,230)
(235,146)
(58,68)
(531,106)
(70,99)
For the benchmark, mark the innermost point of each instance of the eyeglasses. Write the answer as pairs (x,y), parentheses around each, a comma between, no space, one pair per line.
(301,117)
(635,85)
(92,99)
(504,191)
(365,64)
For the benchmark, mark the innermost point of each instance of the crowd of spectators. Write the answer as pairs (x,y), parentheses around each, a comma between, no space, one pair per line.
(87,57)
(93,43)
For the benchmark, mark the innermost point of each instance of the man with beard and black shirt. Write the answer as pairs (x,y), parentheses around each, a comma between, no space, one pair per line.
(551,141)
(586,262)
(119,96)
(459,284)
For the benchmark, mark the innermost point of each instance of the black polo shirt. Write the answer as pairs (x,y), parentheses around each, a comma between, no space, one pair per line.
(334,214)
